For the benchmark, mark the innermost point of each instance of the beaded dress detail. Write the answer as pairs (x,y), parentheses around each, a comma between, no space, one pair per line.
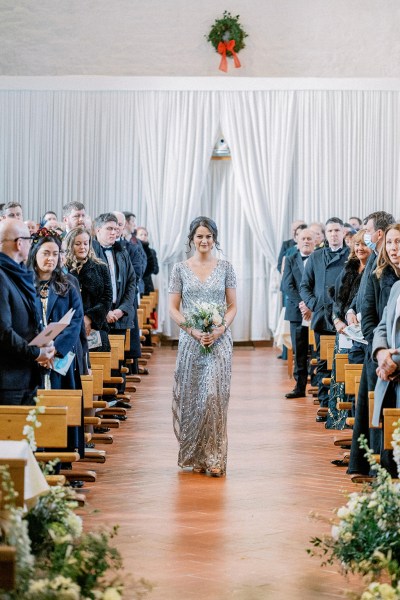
(202,381)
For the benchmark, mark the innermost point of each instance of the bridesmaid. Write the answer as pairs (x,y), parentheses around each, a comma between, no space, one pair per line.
(202,381)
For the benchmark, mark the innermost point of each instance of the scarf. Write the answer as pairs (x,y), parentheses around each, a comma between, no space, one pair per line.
(23,281)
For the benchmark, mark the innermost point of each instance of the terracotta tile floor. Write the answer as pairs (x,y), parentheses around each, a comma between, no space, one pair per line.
(243,537)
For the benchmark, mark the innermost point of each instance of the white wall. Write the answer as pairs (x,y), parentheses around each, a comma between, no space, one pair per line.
(287,38)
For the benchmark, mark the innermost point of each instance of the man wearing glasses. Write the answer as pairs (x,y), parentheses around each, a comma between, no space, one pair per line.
(19,319)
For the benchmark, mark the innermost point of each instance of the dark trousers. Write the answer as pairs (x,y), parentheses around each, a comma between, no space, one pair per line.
(358,463)
(17,397)
(322,371)
(299,336)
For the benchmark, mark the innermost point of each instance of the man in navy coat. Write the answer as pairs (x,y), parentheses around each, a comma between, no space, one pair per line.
(292,276)
(19,319)
(320,274)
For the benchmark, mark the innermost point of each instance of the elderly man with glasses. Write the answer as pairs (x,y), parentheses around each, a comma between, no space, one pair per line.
(19,319)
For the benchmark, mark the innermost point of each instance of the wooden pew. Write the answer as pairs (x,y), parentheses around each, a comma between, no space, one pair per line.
(51,434)
(72,399)
(390,417)
(7,567)
(107,361)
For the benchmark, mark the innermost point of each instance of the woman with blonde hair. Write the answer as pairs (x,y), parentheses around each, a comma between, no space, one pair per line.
(94,282)
(346,288)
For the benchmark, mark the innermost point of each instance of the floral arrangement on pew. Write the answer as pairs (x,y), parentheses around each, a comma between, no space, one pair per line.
(204,316)
(55,559)
(365,538)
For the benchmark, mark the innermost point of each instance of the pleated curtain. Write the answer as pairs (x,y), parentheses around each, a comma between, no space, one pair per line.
(295,154)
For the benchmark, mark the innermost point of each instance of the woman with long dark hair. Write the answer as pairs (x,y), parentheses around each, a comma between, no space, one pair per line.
(58,295)
(202,379)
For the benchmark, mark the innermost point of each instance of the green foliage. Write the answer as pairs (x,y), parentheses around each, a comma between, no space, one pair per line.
(366,537)
(227,28)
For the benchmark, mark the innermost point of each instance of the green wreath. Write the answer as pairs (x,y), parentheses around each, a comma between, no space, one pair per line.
(227,28)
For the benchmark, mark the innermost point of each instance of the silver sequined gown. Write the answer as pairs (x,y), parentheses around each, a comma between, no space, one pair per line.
(202,382)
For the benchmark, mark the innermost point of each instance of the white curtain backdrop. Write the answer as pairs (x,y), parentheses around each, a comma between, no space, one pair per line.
(295,154)
(61,146)
(347,155)
(177,132)
(260,128)
(238,245)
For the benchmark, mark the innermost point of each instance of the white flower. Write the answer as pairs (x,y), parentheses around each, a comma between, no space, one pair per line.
(111,594)
(74,524)
(343,512)
(216,317)
(335,532)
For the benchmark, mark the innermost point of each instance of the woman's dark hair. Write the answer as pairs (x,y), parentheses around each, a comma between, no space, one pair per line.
(58,280)
(203,222)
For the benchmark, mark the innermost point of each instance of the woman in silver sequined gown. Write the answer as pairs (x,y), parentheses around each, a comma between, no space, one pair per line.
(202,381)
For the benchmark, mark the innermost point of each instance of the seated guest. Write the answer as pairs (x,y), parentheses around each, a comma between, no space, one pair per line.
(20,319)
(346,287)
(94,282)
(292,275)
(320,274)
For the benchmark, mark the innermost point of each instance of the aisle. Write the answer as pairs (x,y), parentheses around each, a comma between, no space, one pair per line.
(242,537)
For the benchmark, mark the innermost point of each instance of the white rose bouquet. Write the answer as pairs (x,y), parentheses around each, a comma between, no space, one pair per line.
(204,316)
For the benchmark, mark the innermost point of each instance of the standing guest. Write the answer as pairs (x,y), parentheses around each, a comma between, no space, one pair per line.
(385,350)
(58,295)
(49,220)
(130,225)
(292,276)
(346,288)
(202,381)
(12,210)
(152,262)
(94,283)
(120,316)
(293,249)
(73,215)
(20,319)
(319,232)
(320,274)
(32,226)
(375,226)
(355,223)
(286,244)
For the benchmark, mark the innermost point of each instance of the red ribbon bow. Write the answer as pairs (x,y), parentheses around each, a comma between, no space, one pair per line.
(223,47)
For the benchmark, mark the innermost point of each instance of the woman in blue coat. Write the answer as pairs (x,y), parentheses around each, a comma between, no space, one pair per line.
(58,295)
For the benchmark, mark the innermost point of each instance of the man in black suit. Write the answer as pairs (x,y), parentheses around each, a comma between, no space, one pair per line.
(292,276)
(19,319)
(320,274)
